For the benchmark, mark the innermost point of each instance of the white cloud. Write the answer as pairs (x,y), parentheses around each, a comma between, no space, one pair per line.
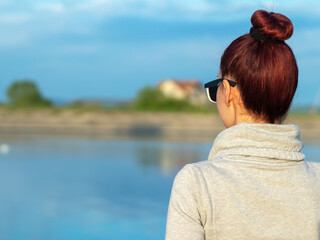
(51,7)
(218,10)
(192,8)
(94,5)
(81,17)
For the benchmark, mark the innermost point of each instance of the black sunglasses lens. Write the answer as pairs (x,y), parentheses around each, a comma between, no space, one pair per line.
(213,93)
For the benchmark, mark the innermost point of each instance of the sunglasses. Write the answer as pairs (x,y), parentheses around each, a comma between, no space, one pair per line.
(212,88)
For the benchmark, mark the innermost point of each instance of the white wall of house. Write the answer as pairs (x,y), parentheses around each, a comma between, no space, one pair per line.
(170,89)
(194,94)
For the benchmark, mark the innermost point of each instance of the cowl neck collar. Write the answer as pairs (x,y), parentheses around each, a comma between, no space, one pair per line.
(263,141)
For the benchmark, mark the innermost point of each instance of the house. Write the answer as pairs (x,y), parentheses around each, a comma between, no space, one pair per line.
(190,89)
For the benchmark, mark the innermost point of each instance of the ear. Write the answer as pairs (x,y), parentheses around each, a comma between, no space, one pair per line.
(228,93)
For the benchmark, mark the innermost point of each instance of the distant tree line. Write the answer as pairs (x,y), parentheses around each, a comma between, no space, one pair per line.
(25,93)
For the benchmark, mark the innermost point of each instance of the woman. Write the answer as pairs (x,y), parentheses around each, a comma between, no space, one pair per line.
(256,183)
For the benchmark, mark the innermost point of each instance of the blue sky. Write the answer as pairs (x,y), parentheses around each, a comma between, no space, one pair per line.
(109,49)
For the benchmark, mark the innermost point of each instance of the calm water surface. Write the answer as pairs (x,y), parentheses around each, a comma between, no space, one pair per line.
(58,188)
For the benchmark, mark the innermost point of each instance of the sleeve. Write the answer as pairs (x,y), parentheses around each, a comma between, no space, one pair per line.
(183,220)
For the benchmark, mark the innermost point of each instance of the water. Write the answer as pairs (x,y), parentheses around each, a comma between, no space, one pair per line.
(58,188)
(55,188)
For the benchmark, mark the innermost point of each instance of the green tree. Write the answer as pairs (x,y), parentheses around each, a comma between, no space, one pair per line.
(25,93)
(153,99)
(148,99)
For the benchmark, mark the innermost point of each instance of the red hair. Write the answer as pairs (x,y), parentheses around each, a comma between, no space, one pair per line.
(266,73)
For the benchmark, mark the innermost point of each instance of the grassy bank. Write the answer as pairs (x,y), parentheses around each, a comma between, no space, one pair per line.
(119,123)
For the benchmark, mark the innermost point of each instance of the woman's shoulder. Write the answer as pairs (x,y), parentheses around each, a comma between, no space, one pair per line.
(198,171)
(195,167)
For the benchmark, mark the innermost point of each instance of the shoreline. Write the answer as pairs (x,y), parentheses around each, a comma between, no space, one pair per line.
(153,125)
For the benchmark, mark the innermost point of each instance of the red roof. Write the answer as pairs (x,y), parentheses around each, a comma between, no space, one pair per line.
(187,84)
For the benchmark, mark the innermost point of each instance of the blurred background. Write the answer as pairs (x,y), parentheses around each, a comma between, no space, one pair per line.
(101,103)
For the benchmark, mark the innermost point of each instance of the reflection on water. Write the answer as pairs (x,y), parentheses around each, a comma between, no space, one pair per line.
(170,157)
(54,188)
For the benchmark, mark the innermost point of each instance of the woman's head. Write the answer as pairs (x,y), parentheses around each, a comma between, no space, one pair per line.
(263,66)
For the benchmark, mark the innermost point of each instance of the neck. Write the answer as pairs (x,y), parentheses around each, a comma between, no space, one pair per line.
(241,116)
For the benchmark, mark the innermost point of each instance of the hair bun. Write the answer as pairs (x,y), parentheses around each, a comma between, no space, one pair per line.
(274,26)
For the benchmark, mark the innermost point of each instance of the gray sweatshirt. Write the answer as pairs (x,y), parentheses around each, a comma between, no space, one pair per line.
(255,185)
